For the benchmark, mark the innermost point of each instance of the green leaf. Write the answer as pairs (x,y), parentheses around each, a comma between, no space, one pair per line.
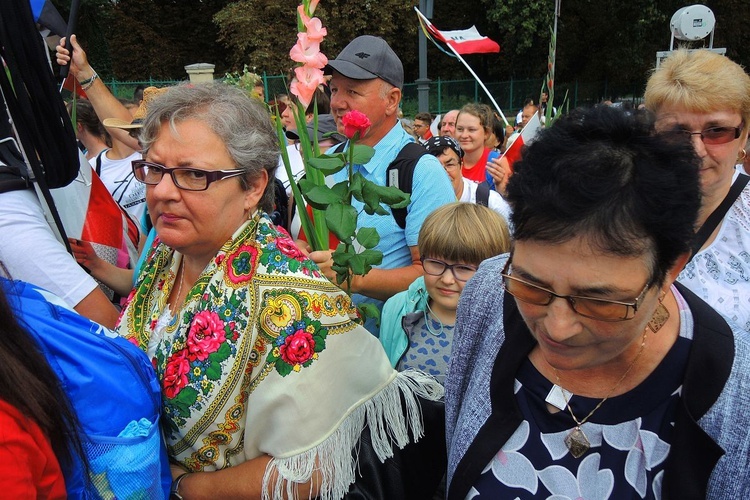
(222,354)
(393,196)
(341,220)
(328,164)
(213,372)
(357,263)
(372,257)
(355,187)
(320,343)
(341,189)
(368,237)
(187,396)
(362,262)
(322,196)
(369,310)
(362,154)
(371,197)
(283,368)
(343,254)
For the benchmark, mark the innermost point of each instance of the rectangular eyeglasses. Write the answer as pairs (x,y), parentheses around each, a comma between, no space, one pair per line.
(711,135)
(434,267)
(189,179)
(589,307)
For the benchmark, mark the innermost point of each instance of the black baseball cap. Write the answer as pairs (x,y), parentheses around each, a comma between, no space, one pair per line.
(367,57)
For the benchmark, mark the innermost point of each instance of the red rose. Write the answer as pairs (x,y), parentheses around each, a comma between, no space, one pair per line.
(205,336)
(298,348)
(175,374)
(355,122)
(289,248)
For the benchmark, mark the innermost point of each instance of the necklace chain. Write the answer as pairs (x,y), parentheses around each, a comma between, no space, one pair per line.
(181,270)
(611,391)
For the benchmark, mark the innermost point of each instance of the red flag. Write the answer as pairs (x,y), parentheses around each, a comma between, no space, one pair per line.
(71,83)
(527,136)
(467,41)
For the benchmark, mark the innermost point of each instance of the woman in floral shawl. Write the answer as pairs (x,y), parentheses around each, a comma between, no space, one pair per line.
(267,382)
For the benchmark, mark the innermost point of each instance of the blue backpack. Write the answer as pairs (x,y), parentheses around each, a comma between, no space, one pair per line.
(113,390)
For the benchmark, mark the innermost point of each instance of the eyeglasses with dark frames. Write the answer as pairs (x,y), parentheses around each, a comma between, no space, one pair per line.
(434,267)
(189,179)
(589,307)
(710,135)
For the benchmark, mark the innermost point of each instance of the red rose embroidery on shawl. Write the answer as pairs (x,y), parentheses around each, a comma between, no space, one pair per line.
(175,374)
(289,248)
(205,336)
(297,348)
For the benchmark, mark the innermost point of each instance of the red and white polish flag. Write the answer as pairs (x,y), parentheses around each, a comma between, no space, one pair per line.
(527,136)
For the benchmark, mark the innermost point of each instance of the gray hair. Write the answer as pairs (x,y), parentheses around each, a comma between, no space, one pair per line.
(242,123)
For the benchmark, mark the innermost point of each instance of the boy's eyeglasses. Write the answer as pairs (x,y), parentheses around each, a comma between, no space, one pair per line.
(434,267)
(189,179)
(589,307)
(711,135)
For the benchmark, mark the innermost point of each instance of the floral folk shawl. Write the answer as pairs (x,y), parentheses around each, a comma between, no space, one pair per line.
(266,357)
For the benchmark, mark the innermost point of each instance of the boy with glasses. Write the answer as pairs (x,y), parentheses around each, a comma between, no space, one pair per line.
(417,324)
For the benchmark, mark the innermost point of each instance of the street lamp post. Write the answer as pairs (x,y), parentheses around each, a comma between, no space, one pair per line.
(423,83)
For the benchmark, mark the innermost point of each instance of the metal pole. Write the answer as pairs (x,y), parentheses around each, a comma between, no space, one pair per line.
(423,83)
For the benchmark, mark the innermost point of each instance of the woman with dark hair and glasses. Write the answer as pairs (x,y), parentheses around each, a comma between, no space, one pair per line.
(580,368)
(267,378)
(706,97)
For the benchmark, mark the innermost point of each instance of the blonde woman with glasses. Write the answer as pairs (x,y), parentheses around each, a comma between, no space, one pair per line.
(705,97)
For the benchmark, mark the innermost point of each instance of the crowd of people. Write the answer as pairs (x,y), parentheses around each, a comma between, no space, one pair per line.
(475,381)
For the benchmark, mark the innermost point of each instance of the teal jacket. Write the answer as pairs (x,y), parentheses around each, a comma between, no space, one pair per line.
(399,313)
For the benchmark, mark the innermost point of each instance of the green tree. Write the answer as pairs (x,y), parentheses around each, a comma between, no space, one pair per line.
(158,38)
(260,33)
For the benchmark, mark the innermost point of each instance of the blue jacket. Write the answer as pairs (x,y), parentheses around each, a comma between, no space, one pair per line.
(399,313)
(710,452)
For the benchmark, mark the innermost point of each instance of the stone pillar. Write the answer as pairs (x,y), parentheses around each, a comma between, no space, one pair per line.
(200,72)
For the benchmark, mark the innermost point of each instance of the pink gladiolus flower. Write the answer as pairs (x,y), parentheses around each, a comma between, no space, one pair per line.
(302,15)
(355,122)
(315,30)
(306,83)
(308,52)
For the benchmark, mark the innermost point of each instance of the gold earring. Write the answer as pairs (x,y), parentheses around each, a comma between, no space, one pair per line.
(742,155)
(660,316)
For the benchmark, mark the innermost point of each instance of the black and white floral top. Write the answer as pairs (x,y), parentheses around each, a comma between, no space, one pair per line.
(629,435)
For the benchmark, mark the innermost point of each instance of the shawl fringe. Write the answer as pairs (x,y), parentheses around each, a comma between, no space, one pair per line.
(332,460)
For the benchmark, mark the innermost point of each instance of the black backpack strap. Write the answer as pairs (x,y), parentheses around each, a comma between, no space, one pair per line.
(718,214)
(13,172)
(400,174)
(99,162)
(483,194)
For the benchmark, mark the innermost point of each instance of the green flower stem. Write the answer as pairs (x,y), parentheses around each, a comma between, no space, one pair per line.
(318,237)
(298,199)
(348,246)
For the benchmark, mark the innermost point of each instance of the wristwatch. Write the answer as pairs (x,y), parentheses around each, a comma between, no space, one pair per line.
(174,491)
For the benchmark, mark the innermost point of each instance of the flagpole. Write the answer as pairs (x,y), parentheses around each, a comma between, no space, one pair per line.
(458,56)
